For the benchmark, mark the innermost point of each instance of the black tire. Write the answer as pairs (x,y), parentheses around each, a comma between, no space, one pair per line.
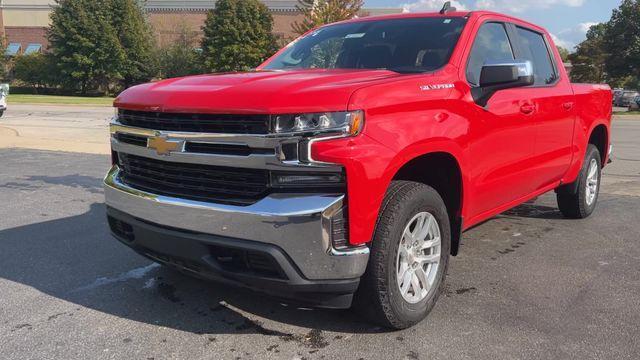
(1,113)
(572,198)
(378,296)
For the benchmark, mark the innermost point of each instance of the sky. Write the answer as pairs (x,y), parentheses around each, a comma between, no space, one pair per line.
(567,20)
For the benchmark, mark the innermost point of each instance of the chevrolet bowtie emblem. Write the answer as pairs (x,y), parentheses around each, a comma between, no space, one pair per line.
(162,145)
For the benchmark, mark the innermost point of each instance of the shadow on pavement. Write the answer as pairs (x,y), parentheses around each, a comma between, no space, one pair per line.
(76,260)
(535,211)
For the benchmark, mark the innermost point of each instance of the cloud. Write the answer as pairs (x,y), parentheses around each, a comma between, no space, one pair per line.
(562,43)
(523,5)
(430,5)
(570,37)
(507,6)
(567,38)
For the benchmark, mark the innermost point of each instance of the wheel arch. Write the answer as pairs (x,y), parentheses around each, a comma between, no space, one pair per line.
(447,180)
(599,137)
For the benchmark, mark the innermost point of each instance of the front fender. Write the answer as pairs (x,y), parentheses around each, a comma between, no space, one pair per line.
(371,164)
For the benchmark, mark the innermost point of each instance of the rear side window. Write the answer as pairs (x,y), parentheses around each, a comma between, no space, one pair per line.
(535,49)
(491,44)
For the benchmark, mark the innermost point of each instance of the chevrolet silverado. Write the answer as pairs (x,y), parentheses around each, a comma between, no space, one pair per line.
(343,170)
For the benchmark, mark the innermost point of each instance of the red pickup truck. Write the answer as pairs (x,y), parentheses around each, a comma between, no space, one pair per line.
(345,168)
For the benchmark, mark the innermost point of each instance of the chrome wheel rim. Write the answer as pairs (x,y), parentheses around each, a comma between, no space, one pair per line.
(592,182)
(418,257)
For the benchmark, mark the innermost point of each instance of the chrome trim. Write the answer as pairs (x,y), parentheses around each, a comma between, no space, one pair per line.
(525,67)
(322,138)
(294,222)
(359,250)
(257,161)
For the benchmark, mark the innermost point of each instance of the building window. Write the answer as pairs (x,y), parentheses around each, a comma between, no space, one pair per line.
(33,48)
(13,49)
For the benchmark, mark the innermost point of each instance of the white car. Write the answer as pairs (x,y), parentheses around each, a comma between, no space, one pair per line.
(4,91)
(634,105)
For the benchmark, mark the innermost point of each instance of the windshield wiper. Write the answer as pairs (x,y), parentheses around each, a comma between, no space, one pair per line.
(407,70)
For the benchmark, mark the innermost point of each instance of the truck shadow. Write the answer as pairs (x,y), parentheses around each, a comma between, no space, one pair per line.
(76,260)
(532,210)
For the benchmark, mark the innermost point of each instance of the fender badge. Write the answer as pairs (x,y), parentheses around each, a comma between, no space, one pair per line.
(436,87)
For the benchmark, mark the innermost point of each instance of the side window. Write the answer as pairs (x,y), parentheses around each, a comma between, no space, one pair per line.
(491,44)
(535,49)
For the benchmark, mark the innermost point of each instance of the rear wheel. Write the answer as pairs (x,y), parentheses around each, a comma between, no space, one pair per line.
(580,202)
(409,257)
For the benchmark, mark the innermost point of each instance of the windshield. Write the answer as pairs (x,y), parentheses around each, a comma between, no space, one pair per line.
(401,45)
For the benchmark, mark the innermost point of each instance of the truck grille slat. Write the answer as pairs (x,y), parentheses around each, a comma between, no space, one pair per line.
(204,123)
(196,187)
(194,181)
(182,176)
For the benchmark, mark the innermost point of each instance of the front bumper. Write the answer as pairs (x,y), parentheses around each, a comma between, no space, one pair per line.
(290,228)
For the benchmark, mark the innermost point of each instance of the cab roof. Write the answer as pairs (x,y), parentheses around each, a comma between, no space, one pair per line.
(467,13)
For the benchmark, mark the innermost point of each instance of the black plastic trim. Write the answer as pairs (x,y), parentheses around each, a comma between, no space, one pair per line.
(189,251)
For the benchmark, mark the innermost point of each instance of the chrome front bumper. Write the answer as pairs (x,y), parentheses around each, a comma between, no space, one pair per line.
(296,223)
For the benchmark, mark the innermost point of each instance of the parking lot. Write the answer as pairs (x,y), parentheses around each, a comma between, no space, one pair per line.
(528,284)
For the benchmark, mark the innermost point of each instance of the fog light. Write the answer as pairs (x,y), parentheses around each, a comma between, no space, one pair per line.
(306,180)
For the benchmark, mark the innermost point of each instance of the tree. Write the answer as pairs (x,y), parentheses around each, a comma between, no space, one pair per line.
(621,41)
(3,59)
(85,45)
(237,35)
(590,58)
(181,57)
(321,12)
(136,40)
(34,69)
(564,53)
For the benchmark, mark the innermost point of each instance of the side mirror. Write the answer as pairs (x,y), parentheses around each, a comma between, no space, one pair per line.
(500,76)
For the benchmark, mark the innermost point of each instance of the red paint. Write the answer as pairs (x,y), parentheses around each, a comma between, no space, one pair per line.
(527,142)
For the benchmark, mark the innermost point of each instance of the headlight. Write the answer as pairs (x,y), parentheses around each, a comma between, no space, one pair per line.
(344,122)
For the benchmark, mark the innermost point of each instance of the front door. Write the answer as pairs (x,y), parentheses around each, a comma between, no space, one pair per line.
(504,131)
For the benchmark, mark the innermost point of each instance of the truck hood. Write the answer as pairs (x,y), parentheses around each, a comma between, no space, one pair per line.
(265,92)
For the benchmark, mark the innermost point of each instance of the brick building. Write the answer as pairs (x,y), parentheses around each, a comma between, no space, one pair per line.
(25,22)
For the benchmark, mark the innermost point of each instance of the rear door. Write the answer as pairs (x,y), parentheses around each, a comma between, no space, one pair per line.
(552,107)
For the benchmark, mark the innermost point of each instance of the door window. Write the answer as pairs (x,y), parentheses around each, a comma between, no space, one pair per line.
(491,44)
(534,48)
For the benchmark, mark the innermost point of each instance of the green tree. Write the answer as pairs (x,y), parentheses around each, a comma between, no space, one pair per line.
(85,44)
(180,58)
(621,41)
(237,35)
(321,12)
(136,40)
(35,69)
(590,58)
(564,53)
(3,59)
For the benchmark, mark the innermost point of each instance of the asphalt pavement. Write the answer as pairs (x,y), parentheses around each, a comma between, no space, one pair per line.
(528,284)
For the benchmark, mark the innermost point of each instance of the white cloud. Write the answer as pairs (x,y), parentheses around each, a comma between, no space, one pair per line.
(570,37)
(523,5)
(507,6)
(430,5)
(564,43)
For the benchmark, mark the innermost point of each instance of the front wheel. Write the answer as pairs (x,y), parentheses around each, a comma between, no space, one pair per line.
(409,257)
(581,202)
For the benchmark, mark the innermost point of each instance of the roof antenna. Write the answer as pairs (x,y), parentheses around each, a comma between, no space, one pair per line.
(447,8)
